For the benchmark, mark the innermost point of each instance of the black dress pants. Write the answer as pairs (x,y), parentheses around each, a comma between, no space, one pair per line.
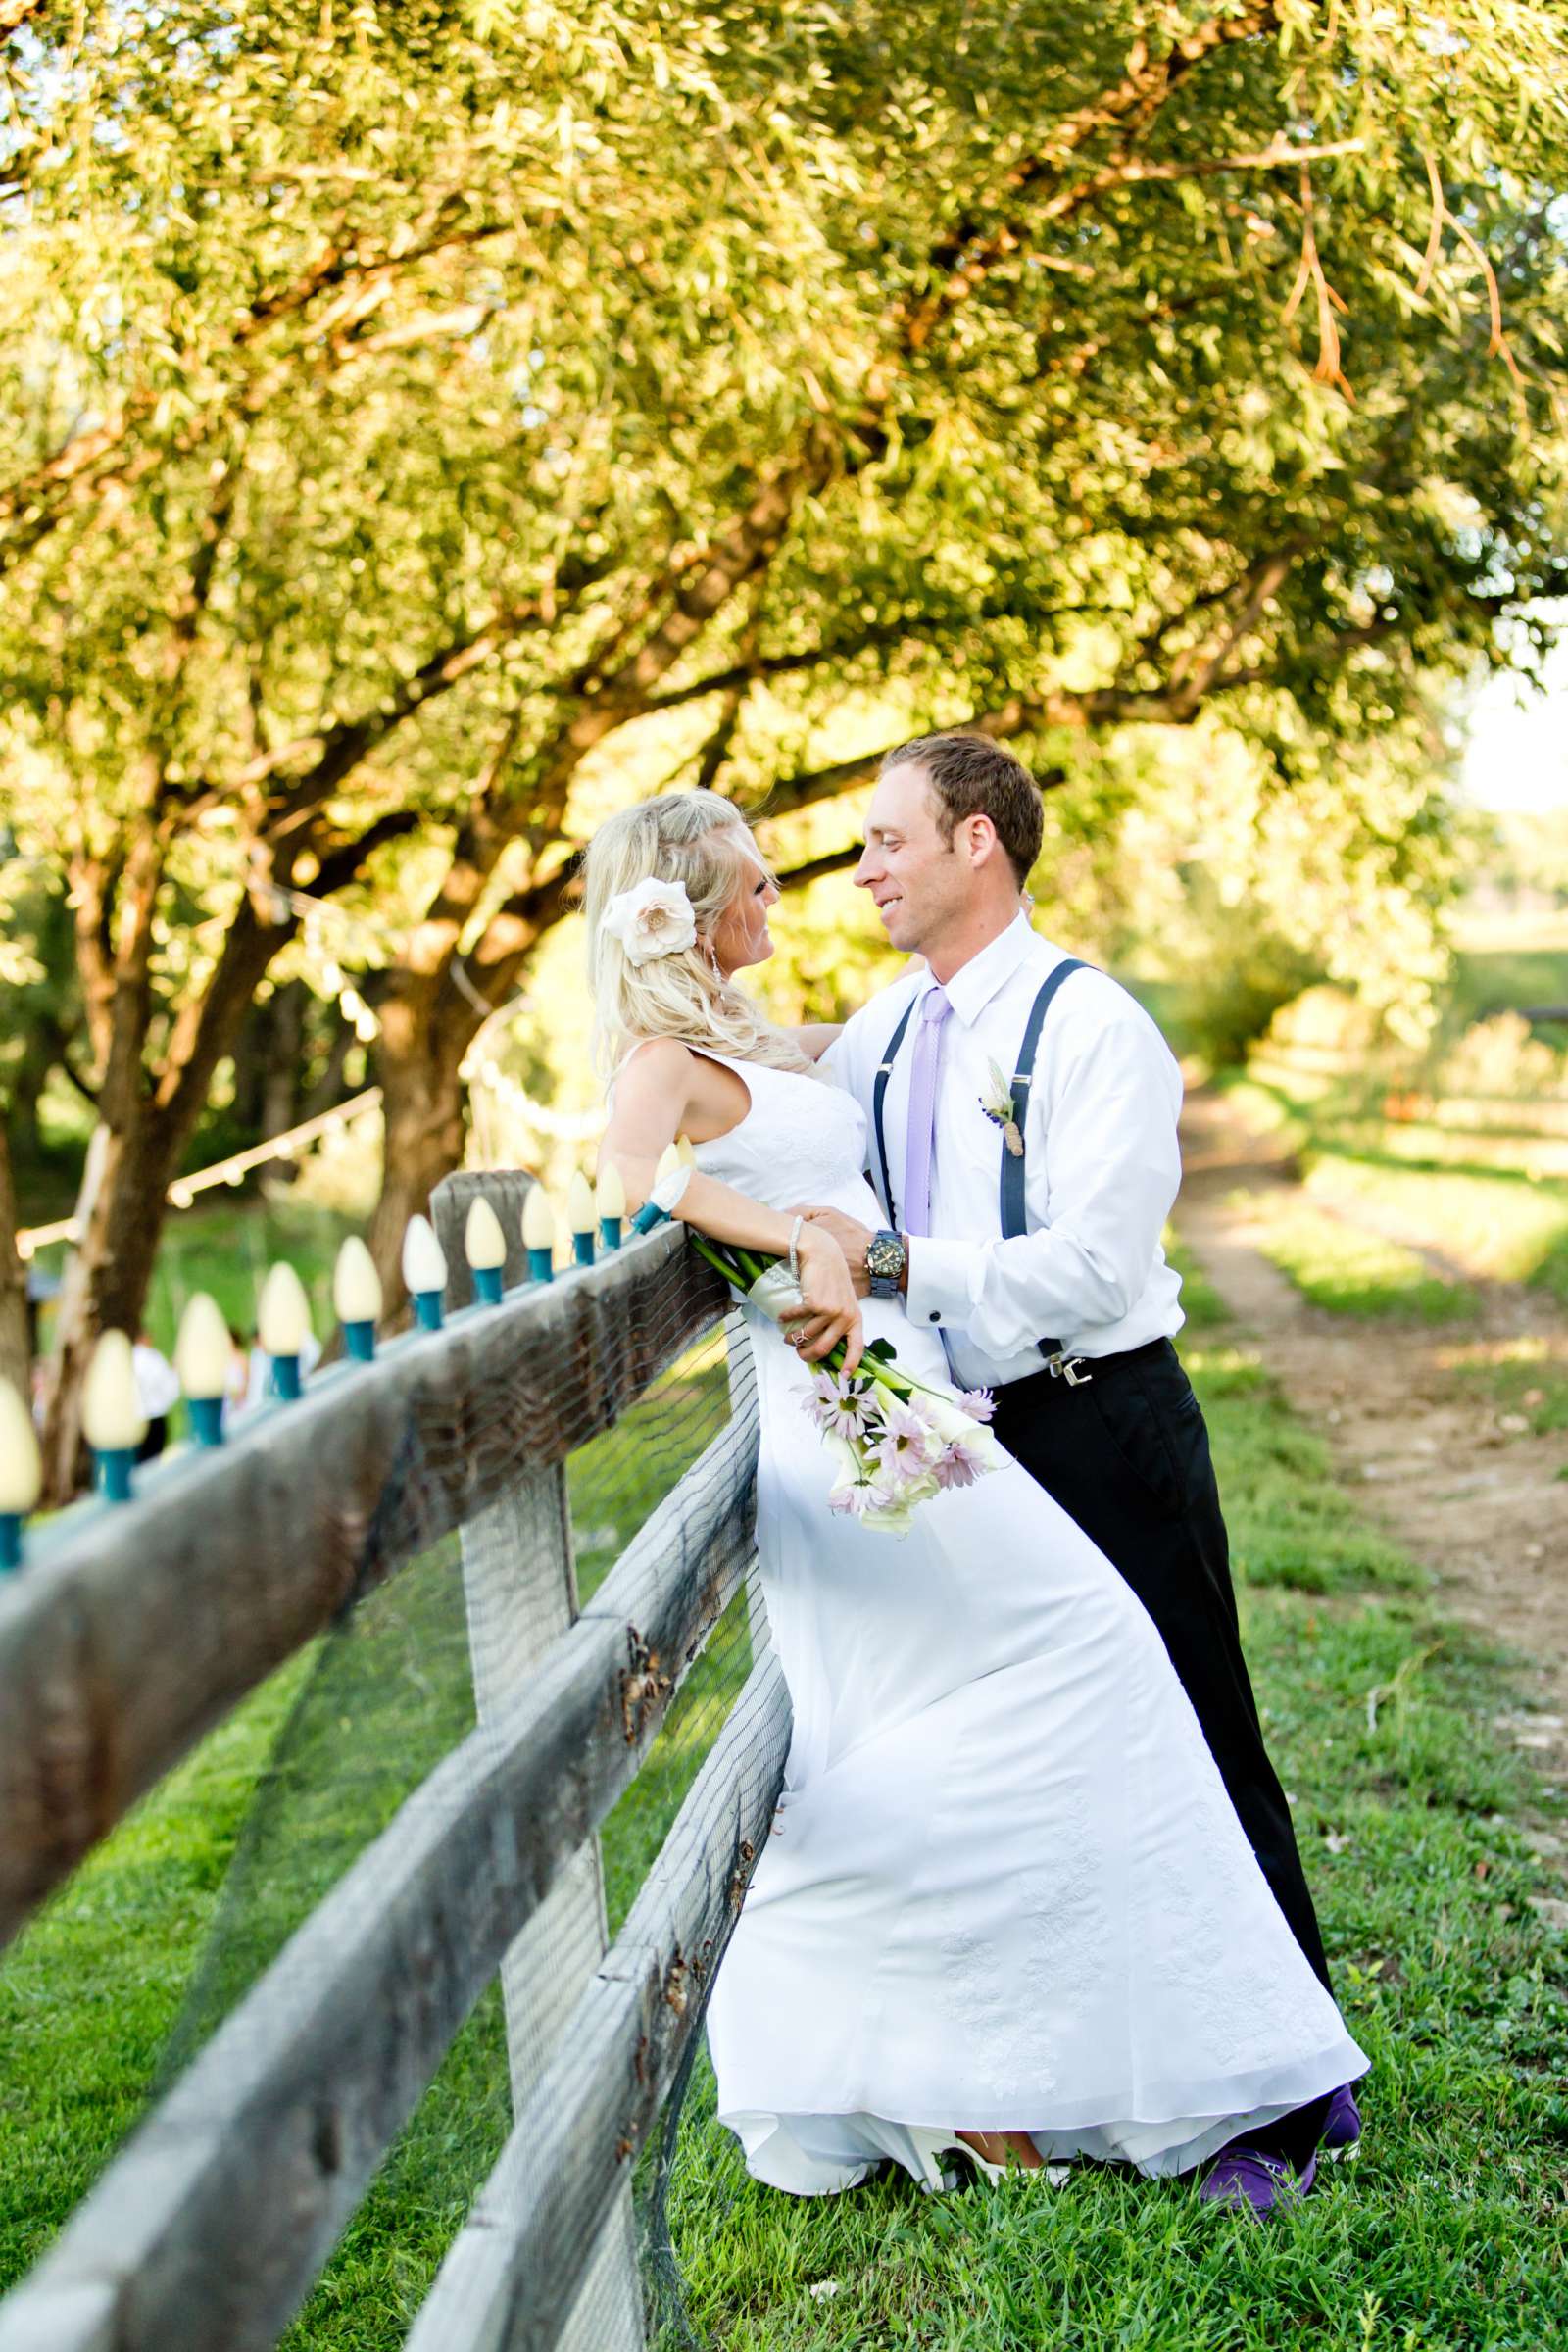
(1126,1455)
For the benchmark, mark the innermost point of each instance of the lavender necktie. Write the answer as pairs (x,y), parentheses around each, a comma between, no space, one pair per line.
(934,1011)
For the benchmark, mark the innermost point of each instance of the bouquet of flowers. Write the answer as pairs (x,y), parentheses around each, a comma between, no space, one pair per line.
(898,1442)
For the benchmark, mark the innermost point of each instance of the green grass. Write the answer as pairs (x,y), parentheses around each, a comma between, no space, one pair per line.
(1291,1522)
(126,1973)
(1200,1302)
(1351,1272)
(1448,2232)
(226,1249)
(1492,980)
(89,1994)
(1525,1385)
(1503,1223)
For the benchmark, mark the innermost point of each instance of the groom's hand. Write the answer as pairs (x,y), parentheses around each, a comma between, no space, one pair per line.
(852,1238)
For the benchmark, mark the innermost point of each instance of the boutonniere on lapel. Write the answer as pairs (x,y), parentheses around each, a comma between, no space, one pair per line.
(997,1104)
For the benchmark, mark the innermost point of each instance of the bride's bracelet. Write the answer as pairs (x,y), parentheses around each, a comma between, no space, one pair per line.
(795,1252)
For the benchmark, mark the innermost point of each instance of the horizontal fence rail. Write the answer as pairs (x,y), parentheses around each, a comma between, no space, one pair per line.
(137,1627)
(212,2223)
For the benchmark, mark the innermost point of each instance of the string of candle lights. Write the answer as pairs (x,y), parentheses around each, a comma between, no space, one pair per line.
(114,1424)
(479,1068)
(233,1169)
(294,1142)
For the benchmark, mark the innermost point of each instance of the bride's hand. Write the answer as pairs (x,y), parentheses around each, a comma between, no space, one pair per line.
(832,1312)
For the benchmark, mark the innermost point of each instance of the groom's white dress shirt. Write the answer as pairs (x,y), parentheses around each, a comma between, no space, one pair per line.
(1102,1165)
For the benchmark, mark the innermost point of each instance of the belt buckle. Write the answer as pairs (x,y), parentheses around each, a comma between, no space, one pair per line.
(1069,1368)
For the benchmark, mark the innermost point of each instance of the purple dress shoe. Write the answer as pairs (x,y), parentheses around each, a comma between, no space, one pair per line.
(1341,2126)
(1243,2176)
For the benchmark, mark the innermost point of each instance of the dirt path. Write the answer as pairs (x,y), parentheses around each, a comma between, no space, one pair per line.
(1480,1505)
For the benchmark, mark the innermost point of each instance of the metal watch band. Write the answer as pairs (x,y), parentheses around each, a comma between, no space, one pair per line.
(886,1286)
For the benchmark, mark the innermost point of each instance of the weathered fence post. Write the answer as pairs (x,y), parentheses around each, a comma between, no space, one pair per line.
(741,1372)
(519,1585)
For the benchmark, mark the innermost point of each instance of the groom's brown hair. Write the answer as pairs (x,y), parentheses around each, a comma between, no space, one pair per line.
(972,776)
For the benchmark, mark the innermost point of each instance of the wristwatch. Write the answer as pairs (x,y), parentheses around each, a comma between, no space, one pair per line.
(886,1257)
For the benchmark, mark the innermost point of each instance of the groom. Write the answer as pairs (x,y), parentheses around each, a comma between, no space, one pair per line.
(1022,1110)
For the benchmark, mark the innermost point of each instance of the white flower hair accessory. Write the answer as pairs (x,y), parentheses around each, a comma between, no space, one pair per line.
(654,919)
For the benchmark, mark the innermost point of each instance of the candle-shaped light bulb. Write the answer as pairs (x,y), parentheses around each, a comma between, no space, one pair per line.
(112,1419)
(686,1151)
(610,1199)
(484,1246)
(424,1271)
(283,1325)
(357,1298)
(20,1473)
(580,1217)
(670,1179)
(539,1233)
(203,1355)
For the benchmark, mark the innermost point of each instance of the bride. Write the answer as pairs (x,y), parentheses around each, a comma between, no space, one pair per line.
(1007,1908)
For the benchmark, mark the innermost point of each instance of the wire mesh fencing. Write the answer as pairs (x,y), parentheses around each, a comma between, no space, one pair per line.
(457,1917)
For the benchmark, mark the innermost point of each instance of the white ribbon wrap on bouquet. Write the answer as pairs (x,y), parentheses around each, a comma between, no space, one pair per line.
(777,1294)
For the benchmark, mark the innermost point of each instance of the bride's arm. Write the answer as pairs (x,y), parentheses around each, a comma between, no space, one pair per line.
(653,1104)
(816,1037)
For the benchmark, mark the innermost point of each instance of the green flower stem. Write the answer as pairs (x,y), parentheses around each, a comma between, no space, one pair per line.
(743,1267)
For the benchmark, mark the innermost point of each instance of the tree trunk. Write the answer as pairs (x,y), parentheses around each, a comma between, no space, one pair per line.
(28,1082)
(15,1354)
(120,1212)
(331,1087)
(250,1066)
(286,1036)
(423,1107)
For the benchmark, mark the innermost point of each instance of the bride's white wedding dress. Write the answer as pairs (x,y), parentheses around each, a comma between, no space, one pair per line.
(1006,1889)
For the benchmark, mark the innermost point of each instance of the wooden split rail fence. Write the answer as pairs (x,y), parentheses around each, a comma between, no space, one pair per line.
(136,1629)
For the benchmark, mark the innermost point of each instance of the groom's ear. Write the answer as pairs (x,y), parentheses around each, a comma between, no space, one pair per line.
(980,839)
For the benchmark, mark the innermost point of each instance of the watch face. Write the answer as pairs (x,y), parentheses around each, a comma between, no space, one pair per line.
(884,1255)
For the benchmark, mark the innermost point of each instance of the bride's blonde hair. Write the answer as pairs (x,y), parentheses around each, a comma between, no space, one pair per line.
(700,839)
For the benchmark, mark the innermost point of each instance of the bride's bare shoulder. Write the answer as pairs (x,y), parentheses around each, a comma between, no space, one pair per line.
(652,1069)
(659,1054)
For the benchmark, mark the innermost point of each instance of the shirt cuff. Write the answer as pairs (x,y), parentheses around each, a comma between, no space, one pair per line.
(939,1288)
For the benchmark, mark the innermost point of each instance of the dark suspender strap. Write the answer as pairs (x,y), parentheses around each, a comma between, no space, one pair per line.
(878,1090)
(1013,1163)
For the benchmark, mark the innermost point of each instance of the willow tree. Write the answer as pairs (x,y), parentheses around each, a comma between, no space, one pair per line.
(419,406)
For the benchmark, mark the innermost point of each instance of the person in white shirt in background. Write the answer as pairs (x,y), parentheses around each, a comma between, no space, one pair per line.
(1069,1313)
(157,1393)
(251,1378)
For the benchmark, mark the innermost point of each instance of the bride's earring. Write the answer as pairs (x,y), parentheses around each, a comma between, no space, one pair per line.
(712,952)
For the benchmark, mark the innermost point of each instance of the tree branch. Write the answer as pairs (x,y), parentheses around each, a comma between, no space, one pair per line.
(346,262)
(779,665)
(1195,673)
(86,465)
(205,1024)
(1019,716)
(716,748)
(341,747)
(1173,705)
(625,688)
(966,258)
(498,957)
(834,862)
(343,861)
